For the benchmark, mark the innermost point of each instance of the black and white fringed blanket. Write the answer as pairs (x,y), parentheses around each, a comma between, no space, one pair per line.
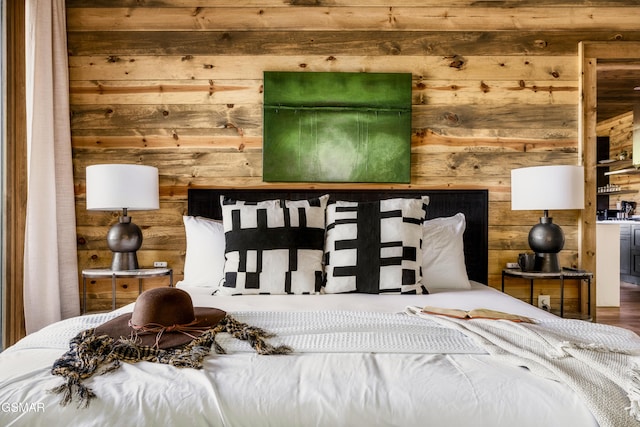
(600,363)
(96,355)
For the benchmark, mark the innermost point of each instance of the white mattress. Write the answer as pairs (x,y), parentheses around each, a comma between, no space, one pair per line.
(302,389)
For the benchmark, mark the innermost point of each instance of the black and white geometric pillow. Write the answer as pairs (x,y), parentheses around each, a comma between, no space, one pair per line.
(273,247)
(375,247)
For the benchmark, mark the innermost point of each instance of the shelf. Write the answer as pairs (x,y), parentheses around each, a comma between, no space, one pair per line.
(615,163)
(627,171)
(610,193)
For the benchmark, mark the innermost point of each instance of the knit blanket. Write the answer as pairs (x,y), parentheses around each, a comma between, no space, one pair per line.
(305,332)
(353,332)
(599,362)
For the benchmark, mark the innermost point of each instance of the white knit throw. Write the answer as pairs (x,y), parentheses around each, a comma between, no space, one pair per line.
(306,332)
(599,362)
(353,332)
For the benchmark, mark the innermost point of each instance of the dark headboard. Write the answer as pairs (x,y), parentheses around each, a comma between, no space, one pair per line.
(473,203)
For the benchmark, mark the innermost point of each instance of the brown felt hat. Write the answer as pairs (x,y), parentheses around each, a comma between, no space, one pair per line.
(162,315)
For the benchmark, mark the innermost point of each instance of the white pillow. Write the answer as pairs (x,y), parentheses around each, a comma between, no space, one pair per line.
(204,262)
(443,264)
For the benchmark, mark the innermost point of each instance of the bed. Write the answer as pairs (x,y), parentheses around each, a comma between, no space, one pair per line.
(361,355)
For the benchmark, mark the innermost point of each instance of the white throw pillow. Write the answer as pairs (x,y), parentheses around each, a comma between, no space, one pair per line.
(443,263)
(204,261)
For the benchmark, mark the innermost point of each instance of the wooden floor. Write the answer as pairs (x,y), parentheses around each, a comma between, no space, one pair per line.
(628,315)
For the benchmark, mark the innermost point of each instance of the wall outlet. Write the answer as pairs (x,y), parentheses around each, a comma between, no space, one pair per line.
(544,302)
(160,264)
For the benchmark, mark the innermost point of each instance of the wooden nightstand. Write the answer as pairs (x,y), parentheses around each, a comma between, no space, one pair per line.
(562,275)
(102,273)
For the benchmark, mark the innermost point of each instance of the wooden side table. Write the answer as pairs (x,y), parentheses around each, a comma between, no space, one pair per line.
(102,273)
(562,275)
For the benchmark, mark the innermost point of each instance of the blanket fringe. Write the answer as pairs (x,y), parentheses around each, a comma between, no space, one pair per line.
(633,393)
(597,347)
(96,355)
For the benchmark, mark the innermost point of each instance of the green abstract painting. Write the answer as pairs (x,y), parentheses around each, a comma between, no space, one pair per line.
(337,127)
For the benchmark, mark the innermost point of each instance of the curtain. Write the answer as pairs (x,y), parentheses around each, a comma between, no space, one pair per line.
(51,266)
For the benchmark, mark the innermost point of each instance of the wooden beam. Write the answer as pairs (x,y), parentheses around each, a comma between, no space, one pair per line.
(334,43)
(359,18)
(16,182)
(549,4)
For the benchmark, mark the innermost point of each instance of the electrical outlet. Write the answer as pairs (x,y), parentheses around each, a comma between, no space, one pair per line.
(544,302)
(160,264)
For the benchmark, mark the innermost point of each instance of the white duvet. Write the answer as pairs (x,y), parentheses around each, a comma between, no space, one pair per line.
(358,360)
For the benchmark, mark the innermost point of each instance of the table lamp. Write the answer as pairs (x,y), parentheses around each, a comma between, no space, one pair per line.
(547,188)
(116,187)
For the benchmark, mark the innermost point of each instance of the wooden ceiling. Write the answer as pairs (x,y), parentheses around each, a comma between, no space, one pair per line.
(616,82)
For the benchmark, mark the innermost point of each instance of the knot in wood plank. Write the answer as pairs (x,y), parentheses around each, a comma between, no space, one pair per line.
(451,118)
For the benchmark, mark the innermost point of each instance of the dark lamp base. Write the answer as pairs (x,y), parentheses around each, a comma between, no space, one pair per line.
(124,239)
(546,239)
(123,261)
(547,263)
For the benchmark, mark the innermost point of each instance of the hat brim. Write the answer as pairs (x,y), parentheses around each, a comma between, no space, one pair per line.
(206,318)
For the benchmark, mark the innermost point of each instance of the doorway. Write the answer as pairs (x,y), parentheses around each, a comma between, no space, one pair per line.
(590,54)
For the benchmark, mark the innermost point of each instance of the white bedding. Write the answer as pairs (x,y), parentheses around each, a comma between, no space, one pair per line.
(478,296)
(374,386)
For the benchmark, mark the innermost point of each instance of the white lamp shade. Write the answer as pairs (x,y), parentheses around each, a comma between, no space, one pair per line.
(547,188)
(115,187)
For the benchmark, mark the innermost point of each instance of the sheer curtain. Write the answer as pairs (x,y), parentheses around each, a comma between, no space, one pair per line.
(51,266)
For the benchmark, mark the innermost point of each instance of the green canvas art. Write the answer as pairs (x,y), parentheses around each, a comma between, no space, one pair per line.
(337,127)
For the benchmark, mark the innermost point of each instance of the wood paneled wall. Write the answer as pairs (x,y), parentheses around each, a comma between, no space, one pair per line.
(177,84)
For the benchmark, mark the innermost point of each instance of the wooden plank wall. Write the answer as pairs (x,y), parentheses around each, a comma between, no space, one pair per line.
(177,84)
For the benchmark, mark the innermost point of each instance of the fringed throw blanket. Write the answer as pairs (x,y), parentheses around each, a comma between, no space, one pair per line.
(96,355)
(599,362)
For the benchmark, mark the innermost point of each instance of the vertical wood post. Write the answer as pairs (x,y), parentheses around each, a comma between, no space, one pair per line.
(16,176)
